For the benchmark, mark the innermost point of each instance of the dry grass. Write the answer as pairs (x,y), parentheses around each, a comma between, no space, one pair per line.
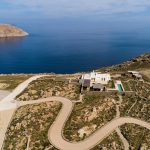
(47,87)
(34,121)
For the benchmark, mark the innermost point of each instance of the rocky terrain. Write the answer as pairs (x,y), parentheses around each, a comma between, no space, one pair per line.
(7,30)
(31,122)
(94,111)
(51,86)
(138,63)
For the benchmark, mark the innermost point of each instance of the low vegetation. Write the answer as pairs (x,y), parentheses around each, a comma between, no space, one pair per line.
(48,86)
(110,84)
(95,111)
(31,121)
(138,63)
(112,142)
(9,82)
(138,137)
(135,106)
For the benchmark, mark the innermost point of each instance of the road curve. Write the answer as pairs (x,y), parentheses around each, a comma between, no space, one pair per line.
(8,106)
(55,133)
(123,139)
(56,130)
(7,102)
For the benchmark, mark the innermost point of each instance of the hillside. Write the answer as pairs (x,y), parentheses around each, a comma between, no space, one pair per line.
(7,30)
(139,63)
(42,97)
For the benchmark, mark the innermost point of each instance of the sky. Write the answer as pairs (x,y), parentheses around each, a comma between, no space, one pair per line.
(73,8)
(80,14)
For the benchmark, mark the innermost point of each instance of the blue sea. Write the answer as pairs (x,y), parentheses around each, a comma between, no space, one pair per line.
(72,46)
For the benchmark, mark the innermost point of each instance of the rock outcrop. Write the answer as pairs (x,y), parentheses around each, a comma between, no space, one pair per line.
(7,30)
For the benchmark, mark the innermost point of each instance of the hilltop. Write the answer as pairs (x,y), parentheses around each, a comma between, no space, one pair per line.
(7,30)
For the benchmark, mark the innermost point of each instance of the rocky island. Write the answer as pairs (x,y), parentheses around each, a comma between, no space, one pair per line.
(7,30)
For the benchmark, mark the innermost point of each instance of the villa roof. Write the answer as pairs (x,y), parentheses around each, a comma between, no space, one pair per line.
(133,72)
(86,83)
(98,86)
(95,75)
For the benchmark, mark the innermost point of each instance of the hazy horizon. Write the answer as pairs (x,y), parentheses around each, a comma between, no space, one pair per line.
(110,15)
(70,36)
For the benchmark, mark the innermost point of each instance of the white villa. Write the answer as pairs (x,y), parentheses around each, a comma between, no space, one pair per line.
(88,80)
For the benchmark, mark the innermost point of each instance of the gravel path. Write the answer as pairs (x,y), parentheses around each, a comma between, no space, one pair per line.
(8,107)
(124,141)
(55,132)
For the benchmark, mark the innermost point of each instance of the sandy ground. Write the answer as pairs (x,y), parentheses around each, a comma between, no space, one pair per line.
(146,72)
(3,94)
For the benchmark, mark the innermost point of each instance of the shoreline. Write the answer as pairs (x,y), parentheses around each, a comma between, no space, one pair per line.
(81,72)
(10,31)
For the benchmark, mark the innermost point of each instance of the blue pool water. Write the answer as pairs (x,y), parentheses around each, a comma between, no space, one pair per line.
(120,87)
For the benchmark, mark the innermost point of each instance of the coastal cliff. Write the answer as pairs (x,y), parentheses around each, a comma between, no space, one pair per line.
(7,30)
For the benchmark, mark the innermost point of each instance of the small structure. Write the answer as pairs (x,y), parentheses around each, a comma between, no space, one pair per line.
(98,87)
(86,83)
(134,74)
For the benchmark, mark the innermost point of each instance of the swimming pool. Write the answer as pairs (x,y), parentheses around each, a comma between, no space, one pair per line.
(120,88)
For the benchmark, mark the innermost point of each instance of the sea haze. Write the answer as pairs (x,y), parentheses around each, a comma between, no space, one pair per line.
(73,45)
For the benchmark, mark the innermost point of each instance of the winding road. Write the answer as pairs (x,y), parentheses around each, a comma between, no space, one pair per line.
(55,133)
